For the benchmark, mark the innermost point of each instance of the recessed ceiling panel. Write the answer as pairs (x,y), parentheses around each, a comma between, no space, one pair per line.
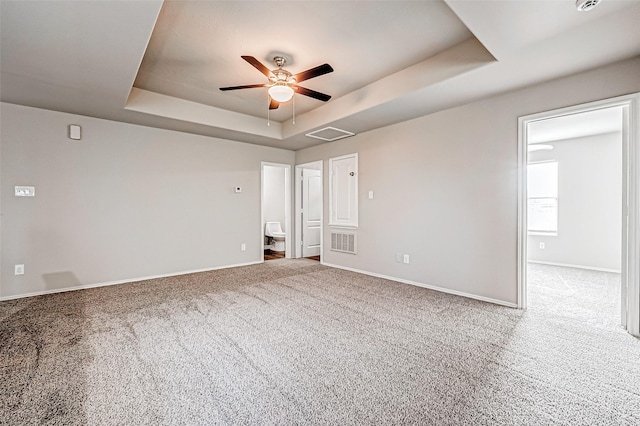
(196,46)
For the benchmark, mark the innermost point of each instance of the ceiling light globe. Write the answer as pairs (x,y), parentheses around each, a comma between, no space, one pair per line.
(280,93)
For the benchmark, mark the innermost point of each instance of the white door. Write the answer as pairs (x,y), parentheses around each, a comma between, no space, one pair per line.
(343,191)
(311,212)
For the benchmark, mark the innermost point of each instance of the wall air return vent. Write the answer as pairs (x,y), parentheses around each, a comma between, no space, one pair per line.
(329,134)
(344,242)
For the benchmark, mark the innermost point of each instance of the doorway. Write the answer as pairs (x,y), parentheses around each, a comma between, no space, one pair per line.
(578,211)
(309,196)
(275,201)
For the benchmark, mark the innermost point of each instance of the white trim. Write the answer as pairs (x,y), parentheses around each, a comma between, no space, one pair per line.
(569,265)
(427,286)
(523,202)
(288,253)
(630,313)
(632,265)
(127,281)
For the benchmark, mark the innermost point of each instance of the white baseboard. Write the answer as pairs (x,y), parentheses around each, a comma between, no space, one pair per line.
(132,280)
(568,265)
(423,285)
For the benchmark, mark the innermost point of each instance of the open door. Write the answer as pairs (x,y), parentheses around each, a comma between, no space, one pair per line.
(629,209)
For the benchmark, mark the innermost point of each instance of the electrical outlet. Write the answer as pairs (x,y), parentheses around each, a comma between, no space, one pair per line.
(19,270)
(243,247)
(405,258)
(25,191)
(542,247)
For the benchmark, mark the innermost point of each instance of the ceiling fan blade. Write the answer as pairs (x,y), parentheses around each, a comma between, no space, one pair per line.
(313,72)
(258,65)
(249,86)
(312,93)
(273,104)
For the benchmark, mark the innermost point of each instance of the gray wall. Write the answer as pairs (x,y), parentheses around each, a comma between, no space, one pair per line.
(589,203)
(274,195)
(446,186)
(123,203)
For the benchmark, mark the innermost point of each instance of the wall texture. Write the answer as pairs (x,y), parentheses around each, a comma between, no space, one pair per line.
(445,186)
(589,203)
(123,203)
(273,203)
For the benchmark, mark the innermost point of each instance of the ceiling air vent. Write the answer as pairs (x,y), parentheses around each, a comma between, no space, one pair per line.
(343,242)
(329,134)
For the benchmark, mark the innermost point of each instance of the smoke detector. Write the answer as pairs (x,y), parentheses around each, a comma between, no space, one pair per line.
(586,5)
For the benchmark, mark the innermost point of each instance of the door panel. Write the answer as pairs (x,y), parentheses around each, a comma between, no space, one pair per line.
(311,212)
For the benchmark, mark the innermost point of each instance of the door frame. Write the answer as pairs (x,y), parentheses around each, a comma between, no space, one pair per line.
(299,201)
(630,273)
(287,207)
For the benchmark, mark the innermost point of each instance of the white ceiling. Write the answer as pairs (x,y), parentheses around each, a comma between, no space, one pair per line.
(184,58)
(161,65)
(596,122)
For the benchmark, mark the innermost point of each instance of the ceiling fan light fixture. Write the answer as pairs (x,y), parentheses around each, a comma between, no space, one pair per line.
(280,92)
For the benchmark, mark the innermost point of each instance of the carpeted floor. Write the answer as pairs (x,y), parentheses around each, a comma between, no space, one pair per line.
(294,342)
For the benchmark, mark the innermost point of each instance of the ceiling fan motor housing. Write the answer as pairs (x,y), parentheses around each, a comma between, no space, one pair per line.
(279,74)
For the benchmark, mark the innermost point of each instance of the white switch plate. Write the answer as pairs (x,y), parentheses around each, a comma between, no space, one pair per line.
(19,270)
(75,132)
(371,195)
(405,258)
(399,257)
(243,247)
(542,246)
(25,191)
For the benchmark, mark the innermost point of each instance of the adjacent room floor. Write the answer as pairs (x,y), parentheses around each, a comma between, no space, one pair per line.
(592,297)
(272,255)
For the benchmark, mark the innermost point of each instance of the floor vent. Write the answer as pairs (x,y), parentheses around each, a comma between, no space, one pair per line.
(343,242)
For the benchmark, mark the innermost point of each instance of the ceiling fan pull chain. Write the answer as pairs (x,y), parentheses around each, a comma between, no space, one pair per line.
(268,110)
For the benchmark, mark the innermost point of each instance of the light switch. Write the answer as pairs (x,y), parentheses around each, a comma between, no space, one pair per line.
(74,132)
(371,195)
(25,191)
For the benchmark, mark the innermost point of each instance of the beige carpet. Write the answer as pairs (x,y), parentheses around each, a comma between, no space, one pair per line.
(293,342)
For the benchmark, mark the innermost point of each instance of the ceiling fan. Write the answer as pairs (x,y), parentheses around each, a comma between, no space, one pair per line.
(282,84)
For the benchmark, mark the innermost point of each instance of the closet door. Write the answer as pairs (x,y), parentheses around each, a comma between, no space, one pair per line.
(343,191)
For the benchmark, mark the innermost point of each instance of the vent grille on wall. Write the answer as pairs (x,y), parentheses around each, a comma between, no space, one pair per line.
(343,242)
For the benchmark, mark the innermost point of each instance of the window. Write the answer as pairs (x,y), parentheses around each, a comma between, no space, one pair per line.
(542,191)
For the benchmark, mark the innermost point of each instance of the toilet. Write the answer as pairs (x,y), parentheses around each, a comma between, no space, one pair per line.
(273,230)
